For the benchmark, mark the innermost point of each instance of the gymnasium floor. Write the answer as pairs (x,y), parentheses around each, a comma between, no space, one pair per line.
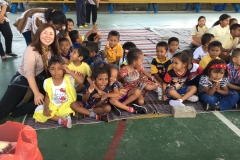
(214,135)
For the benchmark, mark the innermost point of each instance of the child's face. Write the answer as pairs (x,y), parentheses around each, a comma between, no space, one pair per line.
(236,32)
(92,54)
(177,64)
(101,81)
(161,52)
(216,75)
(225,22)
(74,56)
(173,46)
(70,26)
(212,39)
(214,51)
(79,40)
(114,75)
(236,61)
(201,22)
(138,63)
(56,70)
(113,41)
(65,47)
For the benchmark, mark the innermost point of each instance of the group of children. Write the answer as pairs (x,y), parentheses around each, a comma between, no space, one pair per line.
(114,79)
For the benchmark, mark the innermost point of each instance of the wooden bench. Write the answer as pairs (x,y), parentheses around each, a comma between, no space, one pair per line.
(154,3)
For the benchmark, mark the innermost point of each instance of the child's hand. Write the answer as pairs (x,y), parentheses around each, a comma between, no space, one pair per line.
(97,95)
(97,5)
(107,45)
(101,92)
(95,28)
(164,97)
(46,112)
(65,67)
(91,87)
(104,96)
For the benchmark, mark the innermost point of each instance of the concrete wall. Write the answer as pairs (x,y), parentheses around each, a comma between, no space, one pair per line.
(129,7)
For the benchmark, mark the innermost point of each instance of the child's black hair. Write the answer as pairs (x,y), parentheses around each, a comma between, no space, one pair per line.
(91,37)
(234,26)
(57,17)
(231,20)
(199,20)
(92,47)
(62,40)
(82,51)
(100,70)
(110,67)
(162,44)
(221,18)
(207,70)
(235,53)
(70,20)
(215,44)
(189,53)
(114,33)
(206,38)
(55,59)
(73,35)
(133,55)
(182,56)
(85,42)
(126,47)
(173,39)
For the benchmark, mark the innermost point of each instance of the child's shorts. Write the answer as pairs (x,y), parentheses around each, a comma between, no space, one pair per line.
(123,94)
(180,91)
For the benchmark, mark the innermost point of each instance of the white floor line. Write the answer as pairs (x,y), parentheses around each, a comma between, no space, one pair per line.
(116,26)
(230,125)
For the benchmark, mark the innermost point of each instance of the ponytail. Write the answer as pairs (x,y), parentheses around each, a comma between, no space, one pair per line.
(221,18)
(57,17)
(216,23)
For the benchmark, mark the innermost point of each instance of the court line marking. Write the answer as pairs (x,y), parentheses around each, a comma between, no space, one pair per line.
(230,125)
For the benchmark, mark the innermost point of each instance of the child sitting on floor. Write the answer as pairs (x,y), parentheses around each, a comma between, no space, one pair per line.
(134,76)
(194,68)
(126,46)
(121,97)
(174,80)
(113,50)
(60,93)
(213,88)
(198,31)
(78,66)
(233,69)
(160,64)
(96,59)
(65,48)
(214,49)
(76,38)
(93,104)
(202,51)
(173,44)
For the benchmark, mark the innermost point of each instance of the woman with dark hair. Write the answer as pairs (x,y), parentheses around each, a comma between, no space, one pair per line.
(30,76)
(221,27)
(30,20)
(6,32)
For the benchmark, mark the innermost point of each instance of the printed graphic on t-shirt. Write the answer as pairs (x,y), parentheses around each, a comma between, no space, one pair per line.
(177,82)
(60,96)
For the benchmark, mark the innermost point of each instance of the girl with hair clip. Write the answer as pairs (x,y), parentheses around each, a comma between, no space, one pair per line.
(126,46)
(213,89)
(134,76)
(220,27)
(60,93)
(29,21)
(30,76)
(198,31)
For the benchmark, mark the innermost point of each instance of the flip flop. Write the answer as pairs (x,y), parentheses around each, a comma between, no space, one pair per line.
(4,59)
(11,54)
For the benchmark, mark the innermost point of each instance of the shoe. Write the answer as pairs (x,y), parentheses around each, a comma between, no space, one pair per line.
(11,54)
(81,26)
(116,111)
(159,92)
(236,105)
(67,122)
(104,117)
(85,25)
(4,59)
(79,116)
(139,109)
(176,103)
(193,98)
(209,107)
